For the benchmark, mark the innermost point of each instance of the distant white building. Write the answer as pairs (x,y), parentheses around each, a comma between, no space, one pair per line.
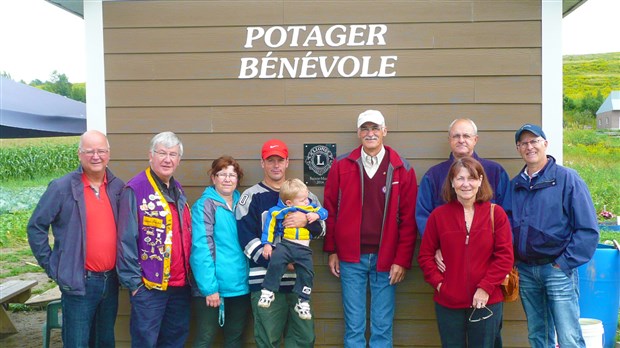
(608,115)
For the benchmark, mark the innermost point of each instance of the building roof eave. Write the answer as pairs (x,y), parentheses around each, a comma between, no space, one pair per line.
(569,6)
(77,6)
(74,6)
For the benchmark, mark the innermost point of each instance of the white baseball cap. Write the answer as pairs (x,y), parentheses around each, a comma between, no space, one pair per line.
(373,116)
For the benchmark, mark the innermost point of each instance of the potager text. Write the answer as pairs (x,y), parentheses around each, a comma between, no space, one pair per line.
(311,65)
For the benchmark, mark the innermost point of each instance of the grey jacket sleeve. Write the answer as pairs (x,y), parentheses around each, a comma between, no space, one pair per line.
(317,228)
(127,264)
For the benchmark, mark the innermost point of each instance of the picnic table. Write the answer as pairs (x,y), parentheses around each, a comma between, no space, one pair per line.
(43,299)
(13,291)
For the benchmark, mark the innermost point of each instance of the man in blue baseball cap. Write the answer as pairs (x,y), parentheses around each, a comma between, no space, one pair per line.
(555,231)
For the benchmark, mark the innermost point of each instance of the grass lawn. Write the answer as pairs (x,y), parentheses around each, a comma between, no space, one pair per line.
(596,157)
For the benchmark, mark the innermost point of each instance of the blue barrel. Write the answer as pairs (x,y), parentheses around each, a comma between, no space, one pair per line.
(599,290)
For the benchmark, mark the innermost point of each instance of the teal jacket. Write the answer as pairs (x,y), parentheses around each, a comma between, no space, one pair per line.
(217,260)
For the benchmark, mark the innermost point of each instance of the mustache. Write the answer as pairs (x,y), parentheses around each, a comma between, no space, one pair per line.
(371,137)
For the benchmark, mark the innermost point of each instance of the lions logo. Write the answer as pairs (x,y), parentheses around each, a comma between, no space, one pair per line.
(319,159)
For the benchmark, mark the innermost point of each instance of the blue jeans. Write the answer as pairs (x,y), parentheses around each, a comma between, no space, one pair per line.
(354,279)
(160,318)
(88,320)
(460,328)
(551,302)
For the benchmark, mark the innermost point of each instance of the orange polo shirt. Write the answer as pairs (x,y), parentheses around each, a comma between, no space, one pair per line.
(100,229)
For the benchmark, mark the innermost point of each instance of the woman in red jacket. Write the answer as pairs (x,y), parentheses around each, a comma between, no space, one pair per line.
(477,253)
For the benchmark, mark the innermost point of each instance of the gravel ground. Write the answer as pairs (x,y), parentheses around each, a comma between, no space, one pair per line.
(29,331)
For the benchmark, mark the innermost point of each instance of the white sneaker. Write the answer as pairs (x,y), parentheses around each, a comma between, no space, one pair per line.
(303,309)
(266,297)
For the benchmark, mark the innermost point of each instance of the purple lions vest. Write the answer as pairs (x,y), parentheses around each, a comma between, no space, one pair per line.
(154,231)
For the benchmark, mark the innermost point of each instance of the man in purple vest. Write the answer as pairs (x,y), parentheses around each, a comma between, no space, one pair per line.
(371,231)
(154,236)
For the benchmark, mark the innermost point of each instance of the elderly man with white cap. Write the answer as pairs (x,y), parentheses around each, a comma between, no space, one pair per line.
(370,194)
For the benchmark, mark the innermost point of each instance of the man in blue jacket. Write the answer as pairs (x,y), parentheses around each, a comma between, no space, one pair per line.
(555,231)
(82,209)
(463,137)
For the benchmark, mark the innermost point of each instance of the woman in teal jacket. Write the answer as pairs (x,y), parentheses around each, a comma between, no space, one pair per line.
(217,260)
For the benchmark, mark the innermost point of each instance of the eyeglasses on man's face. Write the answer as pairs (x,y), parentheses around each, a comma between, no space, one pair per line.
(92,152)
(465,136)
(525,144)
(224,176)
(163,154)
(479,314)
(366,130)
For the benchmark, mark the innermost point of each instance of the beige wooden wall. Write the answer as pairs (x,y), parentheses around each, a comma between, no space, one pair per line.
(414,324)
(173,65)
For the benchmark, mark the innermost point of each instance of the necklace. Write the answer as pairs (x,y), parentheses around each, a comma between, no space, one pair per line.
(469,218)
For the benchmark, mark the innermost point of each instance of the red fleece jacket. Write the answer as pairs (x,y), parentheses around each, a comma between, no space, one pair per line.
(483,263)
(343,200)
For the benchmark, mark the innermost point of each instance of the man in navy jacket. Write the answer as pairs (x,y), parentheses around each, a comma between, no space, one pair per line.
(462,136)
(82,208)
(555,231)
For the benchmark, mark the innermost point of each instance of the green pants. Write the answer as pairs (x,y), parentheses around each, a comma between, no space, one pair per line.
(236,311)
(270,324)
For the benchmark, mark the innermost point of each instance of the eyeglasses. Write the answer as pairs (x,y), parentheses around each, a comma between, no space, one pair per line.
(465,136)
(524,144)
(373,129)
(91,153)
(230,176)
(483,313)
(163,154)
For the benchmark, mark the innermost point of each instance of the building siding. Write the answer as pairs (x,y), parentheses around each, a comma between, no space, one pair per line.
(174,65)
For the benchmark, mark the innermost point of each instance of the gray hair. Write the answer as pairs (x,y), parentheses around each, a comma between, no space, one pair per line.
(168,140)
(464,119)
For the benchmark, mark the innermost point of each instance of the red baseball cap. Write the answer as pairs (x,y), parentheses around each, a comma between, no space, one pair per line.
(274,147)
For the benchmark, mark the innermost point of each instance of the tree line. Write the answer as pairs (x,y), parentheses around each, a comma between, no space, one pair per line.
(582,111)
(59,84)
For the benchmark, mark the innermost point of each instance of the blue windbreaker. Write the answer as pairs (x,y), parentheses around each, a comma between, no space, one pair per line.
(217,259)
(553,217)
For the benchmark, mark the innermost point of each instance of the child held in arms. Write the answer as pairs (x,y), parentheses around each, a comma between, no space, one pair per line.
(293,247)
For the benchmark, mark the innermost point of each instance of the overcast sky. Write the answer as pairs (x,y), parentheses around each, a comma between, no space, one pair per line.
(38,37)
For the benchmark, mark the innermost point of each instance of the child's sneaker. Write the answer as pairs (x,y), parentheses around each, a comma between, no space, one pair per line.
(266,297)
(303,309)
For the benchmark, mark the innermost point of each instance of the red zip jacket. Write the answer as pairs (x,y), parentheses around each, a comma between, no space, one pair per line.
(482,263)
(343,200)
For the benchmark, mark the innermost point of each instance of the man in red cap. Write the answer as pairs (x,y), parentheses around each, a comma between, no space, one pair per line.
(280,318)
